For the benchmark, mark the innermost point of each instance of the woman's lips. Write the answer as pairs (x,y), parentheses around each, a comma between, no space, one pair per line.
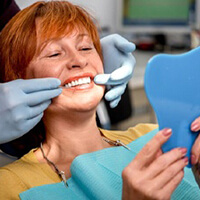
(75,78)
(81,82)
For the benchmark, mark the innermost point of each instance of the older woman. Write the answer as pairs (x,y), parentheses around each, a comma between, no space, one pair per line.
(119,71)
(58,39)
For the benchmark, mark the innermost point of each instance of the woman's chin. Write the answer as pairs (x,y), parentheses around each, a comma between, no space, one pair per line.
(78,102)
(84,107)
(85,104)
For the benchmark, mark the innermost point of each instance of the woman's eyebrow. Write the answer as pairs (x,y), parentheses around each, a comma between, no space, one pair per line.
(82,35)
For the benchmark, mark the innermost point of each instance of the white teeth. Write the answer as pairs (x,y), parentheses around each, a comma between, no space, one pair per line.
(89,80)
(73,83)
(80,81)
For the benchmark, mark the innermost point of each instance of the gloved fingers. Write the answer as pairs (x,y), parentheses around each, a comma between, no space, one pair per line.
(115,102)
(122,74)
(36,98)
(32,122)
(40,84)
(37,110)
(123,44)
(115,92)
(102,79)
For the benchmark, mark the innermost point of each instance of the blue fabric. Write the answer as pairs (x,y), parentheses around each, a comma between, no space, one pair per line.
(97,176)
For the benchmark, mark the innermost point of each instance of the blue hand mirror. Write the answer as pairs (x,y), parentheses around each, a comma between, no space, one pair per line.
(172,85)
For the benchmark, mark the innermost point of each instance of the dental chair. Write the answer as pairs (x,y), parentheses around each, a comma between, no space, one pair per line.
(6,159)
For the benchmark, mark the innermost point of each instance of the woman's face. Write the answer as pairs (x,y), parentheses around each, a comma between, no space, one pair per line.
(74,60)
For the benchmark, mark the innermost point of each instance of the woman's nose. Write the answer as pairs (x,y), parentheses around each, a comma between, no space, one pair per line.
(77,60)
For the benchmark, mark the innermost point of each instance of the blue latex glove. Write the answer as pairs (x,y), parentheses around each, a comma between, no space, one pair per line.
(22,103)
(118,66)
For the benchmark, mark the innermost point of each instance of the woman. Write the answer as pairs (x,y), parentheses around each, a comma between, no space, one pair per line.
(58,39)
(12,129)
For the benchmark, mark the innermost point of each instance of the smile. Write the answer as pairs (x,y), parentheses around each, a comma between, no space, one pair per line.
(80,81)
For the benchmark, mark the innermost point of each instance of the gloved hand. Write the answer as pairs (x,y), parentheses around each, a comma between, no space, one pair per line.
(118,66)
(22,103)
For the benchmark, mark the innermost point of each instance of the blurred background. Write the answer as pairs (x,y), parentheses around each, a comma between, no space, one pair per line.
(155,26)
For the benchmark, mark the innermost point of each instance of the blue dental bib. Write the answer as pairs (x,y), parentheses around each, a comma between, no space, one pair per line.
(97,176)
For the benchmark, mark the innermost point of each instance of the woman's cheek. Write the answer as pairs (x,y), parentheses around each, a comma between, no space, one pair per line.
(47,72)
(56,103)
(43,69)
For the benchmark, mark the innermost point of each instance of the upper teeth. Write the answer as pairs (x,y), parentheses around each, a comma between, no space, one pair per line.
(80,81)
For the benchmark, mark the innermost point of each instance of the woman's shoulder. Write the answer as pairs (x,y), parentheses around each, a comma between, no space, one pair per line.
(131,133)
(143,128)
(23,162)
(24,174)
(11,176)
(18,169)
(28,168)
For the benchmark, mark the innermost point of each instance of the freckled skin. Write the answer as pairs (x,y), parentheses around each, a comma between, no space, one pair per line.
(71,56)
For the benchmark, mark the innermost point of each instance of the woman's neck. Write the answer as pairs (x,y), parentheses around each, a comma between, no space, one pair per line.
(73,129)
(68,137)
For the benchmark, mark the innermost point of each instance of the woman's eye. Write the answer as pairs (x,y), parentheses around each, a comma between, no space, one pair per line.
(86,49)
(54,55)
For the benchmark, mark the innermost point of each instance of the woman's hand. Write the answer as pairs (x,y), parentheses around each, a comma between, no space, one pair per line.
(153,175)
(195,152)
